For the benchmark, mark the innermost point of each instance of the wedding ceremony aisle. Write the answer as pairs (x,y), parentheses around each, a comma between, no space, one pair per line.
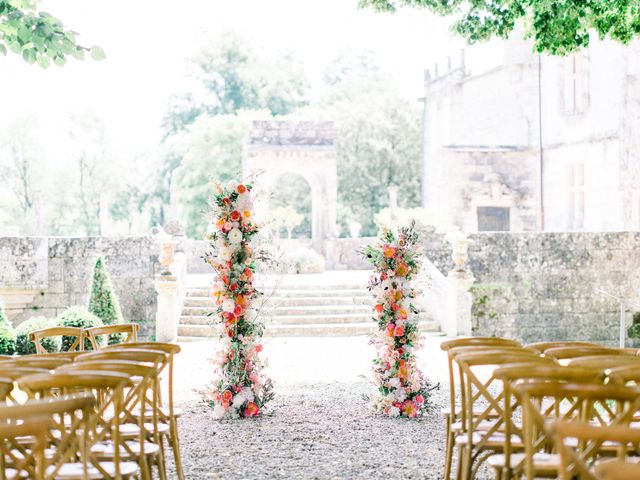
(319,425)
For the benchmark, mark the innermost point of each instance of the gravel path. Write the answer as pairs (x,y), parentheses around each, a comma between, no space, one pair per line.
(319,431)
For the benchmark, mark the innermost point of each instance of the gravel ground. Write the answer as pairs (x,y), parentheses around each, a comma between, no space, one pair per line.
(319,431)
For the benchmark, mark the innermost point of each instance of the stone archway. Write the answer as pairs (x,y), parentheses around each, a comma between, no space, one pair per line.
(278,147)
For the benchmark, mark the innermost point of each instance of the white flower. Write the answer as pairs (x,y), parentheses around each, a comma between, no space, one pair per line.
(394,382)
(228,305)
(235,236)
(401,395)
(224,254)
(218,411)
(231,186)
(394,412)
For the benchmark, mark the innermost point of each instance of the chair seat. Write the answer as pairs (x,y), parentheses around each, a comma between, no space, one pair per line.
(106,450)
(75,471)
(177,412)
(544,463)
(131,430)
(483,426)
(496,440)
(617,469)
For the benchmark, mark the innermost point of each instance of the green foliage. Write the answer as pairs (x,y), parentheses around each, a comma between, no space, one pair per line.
(293,192)
(77,317)
(24,346)
(7,335)
(379,139)
(556,27)
(38,36)
(634,330)
(103,302)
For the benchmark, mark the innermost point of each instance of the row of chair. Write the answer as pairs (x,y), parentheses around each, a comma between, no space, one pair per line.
(530,411)
(89,415)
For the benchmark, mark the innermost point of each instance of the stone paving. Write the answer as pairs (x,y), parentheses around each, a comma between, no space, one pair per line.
(319,425)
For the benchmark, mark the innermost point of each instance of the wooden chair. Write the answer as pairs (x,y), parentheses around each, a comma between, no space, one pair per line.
(6,386)
(76,332)
(47,362)
(546,402)
(567,353)
(104,422)
(605,362)
(452,414)
(483,413)
(130,330)
(509,463)
(579,444)
(544,346)
(168,413)
(145,379)
(66,422)
(32,465)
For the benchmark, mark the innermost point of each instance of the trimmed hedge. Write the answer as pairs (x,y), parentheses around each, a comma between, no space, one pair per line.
(103,301)
(24,346)
(7,335)
(77,317)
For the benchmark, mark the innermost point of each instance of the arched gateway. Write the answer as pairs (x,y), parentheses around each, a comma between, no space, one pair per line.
(278,147)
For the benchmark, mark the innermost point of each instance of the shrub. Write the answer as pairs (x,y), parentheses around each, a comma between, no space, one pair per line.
(7,335)
(24,346)
(103,302)
(77,317)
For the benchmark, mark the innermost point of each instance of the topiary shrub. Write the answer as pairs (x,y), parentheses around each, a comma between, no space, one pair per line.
(77,317)
(24,346)
(103,302)
(7,335)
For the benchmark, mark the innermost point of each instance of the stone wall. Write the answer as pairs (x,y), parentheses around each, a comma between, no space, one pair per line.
(43,276)
(544,286)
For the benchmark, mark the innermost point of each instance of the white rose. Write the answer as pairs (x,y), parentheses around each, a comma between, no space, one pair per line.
(218,411)
(394,412)
(224,254)
(231,186)
(228,305)
(235,236)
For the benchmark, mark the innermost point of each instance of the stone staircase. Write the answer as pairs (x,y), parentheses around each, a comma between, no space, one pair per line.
(295,310)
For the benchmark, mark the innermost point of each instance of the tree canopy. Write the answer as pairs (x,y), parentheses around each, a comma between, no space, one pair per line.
(38,36)
(556,27)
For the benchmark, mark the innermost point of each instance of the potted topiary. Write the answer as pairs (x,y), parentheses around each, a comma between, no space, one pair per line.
(77,317)
(7,335)
(24,346)
(633,332)
(103,302)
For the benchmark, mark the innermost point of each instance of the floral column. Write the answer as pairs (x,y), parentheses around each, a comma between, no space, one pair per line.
(402,389)
(241,390)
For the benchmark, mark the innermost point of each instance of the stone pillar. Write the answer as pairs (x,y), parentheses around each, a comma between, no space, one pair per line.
(460,301)
(166,318)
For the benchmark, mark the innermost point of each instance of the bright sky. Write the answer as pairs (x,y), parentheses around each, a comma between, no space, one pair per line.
(146,42)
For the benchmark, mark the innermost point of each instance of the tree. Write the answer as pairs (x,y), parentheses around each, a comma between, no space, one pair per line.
(7,334)
(378,143)
(38,36)
(291,205)
(103,302)
(227,76)
(556,27)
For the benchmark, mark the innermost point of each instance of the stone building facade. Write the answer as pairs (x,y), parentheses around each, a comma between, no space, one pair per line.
(570,121)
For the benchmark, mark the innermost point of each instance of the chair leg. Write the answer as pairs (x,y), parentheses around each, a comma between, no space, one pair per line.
(160,460)
(175,446)
(448,453)
(461,462)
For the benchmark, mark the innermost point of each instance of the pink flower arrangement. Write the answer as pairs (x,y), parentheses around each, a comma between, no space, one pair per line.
(402,388)
(242,390)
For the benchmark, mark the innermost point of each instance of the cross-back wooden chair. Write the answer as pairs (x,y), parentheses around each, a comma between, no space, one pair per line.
(67,421)
(483,413)
(69,355)
(13,373)
(33,465)
(579,443)
(36,361)
(547,402)
(168,413)
(509,464)
(605,362)
(130,330)
(76,332)
(104,426)
(568,353)
(452,413)
(144,377)
(544,346)
(6,386)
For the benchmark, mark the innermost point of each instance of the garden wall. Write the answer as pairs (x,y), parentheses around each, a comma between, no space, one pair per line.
(43,276)
(544,286)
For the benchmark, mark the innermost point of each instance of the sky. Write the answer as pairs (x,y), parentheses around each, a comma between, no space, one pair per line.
(147,41)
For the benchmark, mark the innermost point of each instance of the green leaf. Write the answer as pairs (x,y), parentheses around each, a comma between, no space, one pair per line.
(60,61)
(29,56)
(78,54)
(97,53)
(3,49)
(15,47)
(44,61)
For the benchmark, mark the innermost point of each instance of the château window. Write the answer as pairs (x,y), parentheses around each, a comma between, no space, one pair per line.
(575,217)
(576,88)
(493,219)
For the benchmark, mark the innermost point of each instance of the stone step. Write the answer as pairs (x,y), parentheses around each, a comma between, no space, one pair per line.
(288,293)
(289,301)
(338,318)
(203,332)
(197,319)
(278,311)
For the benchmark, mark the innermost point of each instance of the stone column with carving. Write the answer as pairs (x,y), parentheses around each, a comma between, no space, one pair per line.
(166,285)
(460,280)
